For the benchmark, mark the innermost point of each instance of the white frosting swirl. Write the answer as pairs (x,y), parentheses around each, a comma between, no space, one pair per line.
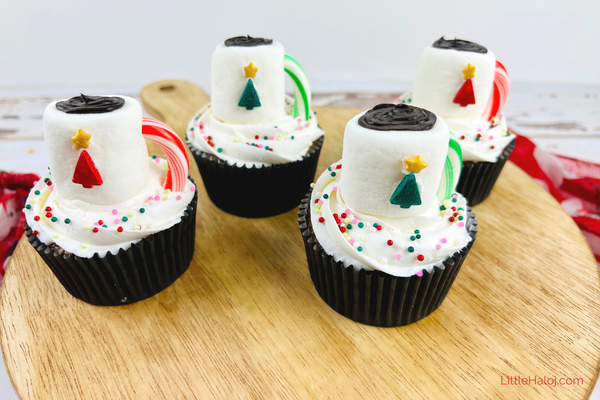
(74,224)
(434,235)
(275,142)
(480,140)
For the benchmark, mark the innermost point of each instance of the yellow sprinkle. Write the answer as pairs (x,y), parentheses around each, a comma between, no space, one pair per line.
(130,214)
(137,227)
(361,238)
(32,200)
(165,165)
(347,221)
(167,191)
(85,245)
(42,197)
(312,185)
(166,198)
(87,227)
(56,236)
(235,140)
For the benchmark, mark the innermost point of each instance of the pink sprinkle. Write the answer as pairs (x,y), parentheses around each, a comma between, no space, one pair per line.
(321,202)
(461,224)
(491,137)
(95,223)
(334,189)
(157,198)
(437,246)
(443,240)
(351,241)
(271,137)
(193,188)
(347,211)
(301,128)
(306,126)
(178,197)
(150,198)
(299,119)
(398,256)
(420,274)
(260,145)
(355,221)
(117,221)
(114,211)
(479,130)
(51,188)
(157,160)
(35,183)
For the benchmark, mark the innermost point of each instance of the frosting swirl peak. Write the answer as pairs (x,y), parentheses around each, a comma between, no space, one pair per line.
(399,117)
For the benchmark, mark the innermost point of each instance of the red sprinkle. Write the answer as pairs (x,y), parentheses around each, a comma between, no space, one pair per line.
(48,215)
(451,219)
(479,135)
(100,222)
(379,227)
(335,216)
(492,147)
(48,208)
(390,242)
(462,137)
(120,229)
(453,208)
(342,229)
(36,218)
(316,201)
(339,166)
(209,138)
(343,215)
(95,230)
(35,233)
(338,221)
(420,257)
(270,149)
(321,219)
(455,214)
(256,137)
(49,183)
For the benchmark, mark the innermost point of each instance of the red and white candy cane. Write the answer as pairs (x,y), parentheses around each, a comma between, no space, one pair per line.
(171,144)
(499,93)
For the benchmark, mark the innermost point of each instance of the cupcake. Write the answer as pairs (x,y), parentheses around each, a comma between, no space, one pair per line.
(463,83)
(256,148)
(114,225)
(385,233)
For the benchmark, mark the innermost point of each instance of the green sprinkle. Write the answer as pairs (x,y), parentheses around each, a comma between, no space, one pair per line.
(53,219)
(37,192)
(361,225)
(442,207)
(375,225)
(359,248)
(477,139)
(412,238)
(460,218)
(220,150)
(67,221)
(403,101)
(266,148)
(461,209)
(142,210)
(154,156)
(418,236)
(411,249)
(454,199)
(28,206)
(333,174)
(417,231)
(349,226)
(325,196)
(266,138)
(409,100)
(46,180)
(124,219)
(293,138)
(329,168)
(104,226)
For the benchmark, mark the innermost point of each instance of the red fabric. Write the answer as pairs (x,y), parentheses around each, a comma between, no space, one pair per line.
(14,189)
(575,184)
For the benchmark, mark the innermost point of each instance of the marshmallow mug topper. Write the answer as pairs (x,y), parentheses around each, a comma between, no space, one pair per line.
(248,82)
(460,79)
(97,152)
(418,161)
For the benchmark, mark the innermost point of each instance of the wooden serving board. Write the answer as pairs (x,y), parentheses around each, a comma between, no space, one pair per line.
(246,322)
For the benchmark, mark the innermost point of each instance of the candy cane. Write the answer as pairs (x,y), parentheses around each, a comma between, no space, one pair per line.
(499,93)
(452,170)
(173,147)
(301,87)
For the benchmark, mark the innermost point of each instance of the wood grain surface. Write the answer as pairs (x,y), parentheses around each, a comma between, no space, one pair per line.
(246,322)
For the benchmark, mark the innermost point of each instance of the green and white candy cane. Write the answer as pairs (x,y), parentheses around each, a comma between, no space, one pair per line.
(301,87)
(452,170)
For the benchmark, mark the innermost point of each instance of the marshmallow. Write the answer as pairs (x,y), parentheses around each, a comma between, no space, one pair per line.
(374,166)
(116,147)
(229,80)
(440,76)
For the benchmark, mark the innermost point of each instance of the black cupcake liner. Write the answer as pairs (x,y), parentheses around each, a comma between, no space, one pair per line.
(257,192)
(478,177)
(374,297)
(135,274)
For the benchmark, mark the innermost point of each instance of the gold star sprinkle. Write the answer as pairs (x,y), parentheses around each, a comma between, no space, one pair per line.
(250,70)
(469,71)
(415,164)
(81,139)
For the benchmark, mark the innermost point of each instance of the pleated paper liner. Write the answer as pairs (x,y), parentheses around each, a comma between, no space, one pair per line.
(257,192)
(374,297)
(145,269)
(478,177)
